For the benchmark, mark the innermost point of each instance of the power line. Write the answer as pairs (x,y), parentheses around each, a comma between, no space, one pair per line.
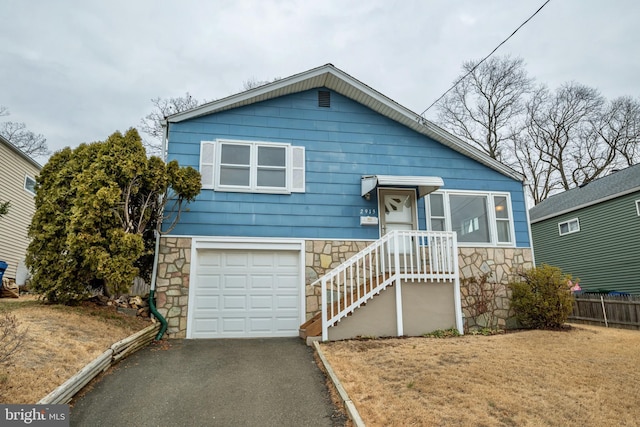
(484,59)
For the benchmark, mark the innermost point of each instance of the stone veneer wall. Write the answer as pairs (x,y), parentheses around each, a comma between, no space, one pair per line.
(172,283)
(483,305)
(321,256)
(480,304)
(486,304)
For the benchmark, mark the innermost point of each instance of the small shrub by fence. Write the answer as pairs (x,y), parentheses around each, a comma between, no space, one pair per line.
(618,311)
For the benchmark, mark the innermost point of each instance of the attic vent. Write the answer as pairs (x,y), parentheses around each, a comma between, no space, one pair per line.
(324,98)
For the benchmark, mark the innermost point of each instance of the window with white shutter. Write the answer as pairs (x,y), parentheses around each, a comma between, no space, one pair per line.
(250,166)
(207,163)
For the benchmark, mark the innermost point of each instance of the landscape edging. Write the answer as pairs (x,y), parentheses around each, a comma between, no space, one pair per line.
(348,404)
(119,350)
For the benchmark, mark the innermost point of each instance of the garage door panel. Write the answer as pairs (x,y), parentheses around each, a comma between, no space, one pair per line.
(287,282)
(204,302)
(209,259)
(263,259)
(206,282)
(287,302)
(263,282)
(246,293)
(260,324)
(236,259)
(261,302)
(233,325)
(206,325)
(234,302)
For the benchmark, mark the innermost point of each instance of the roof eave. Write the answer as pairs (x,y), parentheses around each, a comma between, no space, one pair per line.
(337,80)
(20,152)
(585,205)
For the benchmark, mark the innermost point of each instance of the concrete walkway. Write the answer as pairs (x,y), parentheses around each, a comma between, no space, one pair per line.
(257,382)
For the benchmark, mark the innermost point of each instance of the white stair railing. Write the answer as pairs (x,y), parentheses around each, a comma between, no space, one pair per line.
(400,255)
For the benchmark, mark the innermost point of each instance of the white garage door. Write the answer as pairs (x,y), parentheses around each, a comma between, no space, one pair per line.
(241,293)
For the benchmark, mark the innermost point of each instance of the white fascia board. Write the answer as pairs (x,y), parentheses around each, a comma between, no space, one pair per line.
(247,96)
(377,101)
(425,184)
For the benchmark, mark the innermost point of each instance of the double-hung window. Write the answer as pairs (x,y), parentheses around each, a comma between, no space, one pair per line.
(479,219)
(249,166)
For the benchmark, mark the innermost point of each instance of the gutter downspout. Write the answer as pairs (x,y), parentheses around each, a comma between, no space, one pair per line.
(152,300)
(152,291)
(526,210)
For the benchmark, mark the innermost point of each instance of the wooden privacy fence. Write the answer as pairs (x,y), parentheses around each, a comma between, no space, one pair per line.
(620,311)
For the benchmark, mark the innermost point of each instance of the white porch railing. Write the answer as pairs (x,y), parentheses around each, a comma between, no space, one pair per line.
(410,255)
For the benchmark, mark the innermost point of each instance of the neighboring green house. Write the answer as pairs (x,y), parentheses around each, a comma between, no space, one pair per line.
(593,232)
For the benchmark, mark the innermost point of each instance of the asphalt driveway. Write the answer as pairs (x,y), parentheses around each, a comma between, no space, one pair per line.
(257,382)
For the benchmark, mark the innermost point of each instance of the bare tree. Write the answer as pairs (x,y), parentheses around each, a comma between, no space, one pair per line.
(620,126)
(253,82)
(486,106)
(558,140)
(30,143)
(574,136)
(151,124)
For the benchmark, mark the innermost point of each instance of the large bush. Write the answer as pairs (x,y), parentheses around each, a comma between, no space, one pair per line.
(97,207)
(542,298)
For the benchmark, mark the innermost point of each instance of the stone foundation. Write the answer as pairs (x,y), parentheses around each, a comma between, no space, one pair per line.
(321,256)
(172,283)
(484,275)
(484,304)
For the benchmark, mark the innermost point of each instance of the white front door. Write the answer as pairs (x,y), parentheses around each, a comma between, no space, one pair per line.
(398,212)
(398,208)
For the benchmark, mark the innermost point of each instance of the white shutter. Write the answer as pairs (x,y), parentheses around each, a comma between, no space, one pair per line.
(207,163)
(297,170)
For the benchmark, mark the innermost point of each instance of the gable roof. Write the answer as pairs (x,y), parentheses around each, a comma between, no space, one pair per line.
(609,187)
(337,80)
(19,152)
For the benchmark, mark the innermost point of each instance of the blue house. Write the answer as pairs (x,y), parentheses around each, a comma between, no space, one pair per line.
(320,194)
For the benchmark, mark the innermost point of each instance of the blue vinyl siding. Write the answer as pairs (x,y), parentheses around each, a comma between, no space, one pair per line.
(342,143)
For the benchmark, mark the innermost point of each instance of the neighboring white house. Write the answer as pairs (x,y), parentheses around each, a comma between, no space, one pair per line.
(18,174)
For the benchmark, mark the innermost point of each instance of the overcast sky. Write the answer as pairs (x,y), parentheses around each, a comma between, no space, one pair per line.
(76,71)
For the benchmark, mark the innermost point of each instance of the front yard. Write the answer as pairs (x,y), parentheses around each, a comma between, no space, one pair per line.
(585,376)
(59,341)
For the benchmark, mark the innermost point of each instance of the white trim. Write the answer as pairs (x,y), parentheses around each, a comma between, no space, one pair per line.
(638,207)
(247,243)
(491,218)
(526,210)
(425,184)
(568,222)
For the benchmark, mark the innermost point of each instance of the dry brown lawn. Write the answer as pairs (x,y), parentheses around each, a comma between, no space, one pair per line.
(59,341)
(585,376)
